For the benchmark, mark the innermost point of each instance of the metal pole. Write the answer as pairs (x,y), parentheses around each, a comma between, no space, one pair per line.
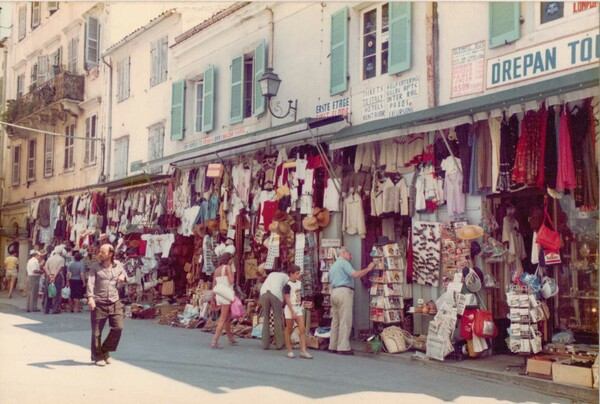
(45,132)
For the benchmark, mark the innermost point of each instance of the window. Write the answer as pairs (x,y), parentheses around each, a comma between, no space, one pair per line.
(36,13)
(90,145)
(16,165)
(48,155)
(375,32)
(34,75)
(92,42)
(121,157)
(43,70)
(158,55)
(22,22)
(504,23)
(20,85)
(123,69)
(69,147)
(198,106)
(52,7)
(31,160)
(551,11)
(56,61)
(73,53)
(246,98)
(156,139)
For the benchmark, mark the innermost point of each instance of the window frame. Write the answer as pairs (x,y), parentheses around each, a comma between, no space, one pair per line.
(248,86)
(121,157)
(48,155)
(36,14)
(34,76)
(69,160)
(91,132)
(381,38)
(198,105)
(20,85)
(159,60)
(92,44)
(123,79)
(16,165)
(73,50)
(22,22)
(156,133)
(31,159)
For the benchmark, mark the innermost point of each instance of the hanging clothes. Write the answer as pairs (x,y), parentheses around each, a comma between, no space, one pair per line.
(565,178)
(509,137)
(353,221)
(550,150)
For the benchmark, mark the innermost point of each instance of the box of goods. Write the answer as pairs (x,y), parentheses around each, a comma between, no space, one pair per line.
(316,342)
(540,365)
(570,371)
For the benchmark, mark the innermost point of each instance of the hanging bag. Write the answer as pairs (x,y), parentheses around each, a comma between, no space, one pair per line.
(52,290)
(547,237)
(484,326)
(237,308)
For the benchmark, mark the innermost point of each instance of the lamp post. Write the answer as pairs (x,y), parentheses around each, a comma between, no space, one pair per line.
(269,86)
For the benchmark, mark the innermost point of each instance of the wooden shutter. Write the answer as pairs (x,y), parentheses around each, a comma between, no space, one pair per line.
(31,160)
(36,12)
(177,110)
(121,157)
(48,155)
(400,37)
(163,59)
(92,41)
(86,158)
(52,5)
(236,113)
(43,71)
(16,168)
(208,100)
(154,55)
(22,22)
(260,61)
(338,82)
(504,22)
(126,78)
(73,51)
(93,134)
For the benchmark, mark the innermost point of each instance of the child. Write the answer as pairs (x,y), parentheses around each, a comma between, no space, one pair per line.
(293,311)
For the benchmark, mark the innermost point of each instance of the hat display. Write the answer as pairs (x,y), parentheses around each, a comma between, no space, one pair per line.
(273,226)
(212,225)
(284,229)
(383,240)
(322,216)
(280,216)
(310,223)
(469,232)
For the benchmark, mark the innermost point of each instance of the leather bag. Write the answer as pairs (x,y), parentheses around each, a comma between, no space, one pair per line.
(547,237)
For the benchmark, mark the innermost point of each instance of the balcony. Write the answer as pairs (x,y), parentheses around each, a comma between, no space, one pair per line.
(52,100)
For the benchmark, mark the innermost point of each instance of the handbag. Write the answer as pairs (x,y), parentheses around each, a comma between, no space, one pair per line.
(237,308)
(484,326)
(395,339)
(224,291)
(547,237)
(65,292)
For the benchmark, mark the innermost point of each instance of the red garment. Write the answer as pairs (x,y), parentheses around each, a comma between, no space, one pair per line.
(527,161)
(170,208)
(544,128)
(268,212)
(565,178)
(142,247)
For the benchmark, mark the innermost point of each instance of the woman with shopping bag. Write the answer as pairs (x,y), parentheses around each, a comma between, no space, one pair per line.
(223,295)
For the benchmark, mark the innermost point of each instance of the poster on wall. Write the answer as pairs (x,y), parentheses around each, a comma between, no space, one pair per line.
(426,242)
(393,99)
(468,65)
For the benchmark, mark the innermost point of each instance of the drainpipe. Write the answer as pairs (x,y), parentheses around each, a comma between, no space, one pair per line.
(432,38)
(3,108)
(107,145)
(271,52)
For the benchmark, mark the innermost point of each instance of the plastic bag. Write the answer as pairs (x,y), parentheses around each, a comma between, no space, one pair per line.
(237,308)
(65,292)
(52,291)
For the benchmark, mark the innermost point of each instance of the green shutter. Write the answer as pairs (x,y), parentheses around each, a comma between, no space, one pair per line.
(208,100)
(236,113)
(339,52)
(504,23)
(177,110)
(260,61)
(400,37)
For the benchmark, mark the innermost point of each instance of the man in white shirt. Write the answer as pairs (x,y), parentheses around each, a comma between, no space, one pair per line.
(271,297)
(33,280)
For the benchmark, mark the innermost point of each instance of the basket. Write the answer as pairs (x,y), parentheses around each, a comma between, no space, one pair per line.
(396,340)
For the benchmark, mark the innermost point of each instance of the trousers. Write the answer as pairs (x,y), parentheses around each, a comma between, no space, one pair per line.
(342,300)
(112,312)
(34,288)
(269,301)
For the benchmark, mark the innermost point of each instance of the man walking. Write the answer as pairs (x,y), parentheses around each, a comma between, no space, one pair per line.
(341,276)
(54,270)
(104,303)
(271,297)
(33,280)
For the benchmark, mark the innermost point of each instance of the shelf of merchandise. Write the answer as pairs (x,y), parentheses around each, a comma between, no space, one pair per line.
(387,302)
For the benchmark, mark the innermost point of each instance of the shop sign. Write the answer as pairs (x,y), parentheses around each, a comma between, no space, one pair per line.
(331,242)
(551,57)
(580,6)
(136,165)
(215,139)
(468,66)
(333,108)
(393,99)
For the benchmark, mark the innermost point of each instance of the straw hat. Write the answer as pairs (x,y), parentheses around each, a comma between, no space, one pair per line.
(469,232)
(212,225)
(310,223)
(322,216)
(284,229)
(273,226)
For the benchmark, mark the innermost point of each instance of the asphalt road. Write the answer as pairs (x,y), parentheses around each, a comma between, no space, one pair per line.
(46,359)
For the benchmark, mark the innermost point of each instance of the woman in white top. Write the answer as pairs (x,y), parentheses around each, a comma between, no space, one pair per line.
(223,275)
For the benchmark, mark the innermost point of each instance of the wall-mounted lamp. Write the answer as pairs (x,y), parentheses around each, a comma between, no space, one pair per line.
(269,86)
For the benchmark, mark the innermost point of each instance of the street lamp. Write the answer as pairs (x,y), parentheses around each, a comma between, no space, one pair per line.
(269,86)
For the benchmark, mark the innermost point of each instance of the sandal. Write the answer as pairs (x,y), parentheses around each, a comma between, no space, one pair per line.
(234,341)
(215,346)
(306,355)
(291,355)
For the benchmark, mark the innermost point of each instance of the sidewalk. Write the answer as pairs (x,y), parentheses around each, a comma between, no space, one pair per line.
(495,368)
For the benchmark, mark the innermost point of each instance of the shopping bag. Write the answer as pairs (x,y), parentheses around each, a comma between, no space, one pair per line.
(52,291)
(224,291)
(65,292)
(547,237)
(237,308)
(484,326)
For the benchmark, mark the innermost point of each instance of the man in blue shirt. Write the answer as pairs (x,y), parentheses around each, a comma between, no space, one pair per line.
(341,276)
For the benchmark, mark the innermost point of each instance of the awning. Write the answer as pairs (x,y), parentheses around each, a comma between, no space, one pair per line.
(456,113)
(304,129)
(138,180)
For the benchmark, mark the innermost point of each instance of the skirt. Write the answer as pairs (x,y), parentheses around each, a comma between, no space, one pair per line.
(77,289)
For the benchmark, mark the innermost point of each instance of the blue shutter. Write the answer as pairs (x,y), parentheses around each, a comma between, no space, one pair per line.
(92,41)
(236,114)
(339,52)
(177,110)
(504,23)
(208,100)
(260,62)
(400,39)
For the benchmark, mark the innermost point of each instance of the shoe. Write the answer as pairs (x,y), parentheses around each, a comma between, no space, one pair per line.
(10,296)
(346,352)
(291,355)
(107,359)
(101,362)
(234,341)
(306,355)
(215,346)
(332,351)
(36,310)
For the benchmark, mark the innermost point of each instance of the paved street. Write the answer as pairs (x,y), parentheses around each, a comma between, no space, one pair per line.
(45,358)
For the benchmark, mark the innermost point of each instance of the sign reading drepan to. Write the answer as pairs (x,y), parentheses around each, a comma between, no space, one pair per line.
(551,57)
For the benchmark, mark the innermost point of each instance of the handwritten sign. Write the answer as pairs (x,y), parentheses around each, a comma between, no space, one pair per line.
(393,99)
(468,63)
